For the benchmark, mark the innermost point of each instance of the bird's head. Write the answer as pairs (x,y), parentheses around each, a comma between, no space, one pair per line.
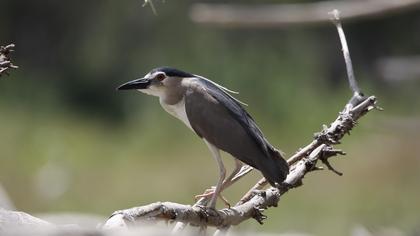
(157,82)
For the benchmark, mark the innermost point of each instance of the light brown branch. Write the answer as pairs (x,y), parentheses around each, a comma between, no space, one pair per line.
(278,15)
(259,200)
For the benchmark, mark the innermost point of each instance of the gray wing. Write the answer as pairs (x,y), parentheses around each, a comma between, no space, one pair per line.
(222,121)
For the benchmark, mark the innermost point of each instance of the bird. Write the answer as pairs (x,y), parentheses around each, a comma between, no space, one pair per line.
(218,118)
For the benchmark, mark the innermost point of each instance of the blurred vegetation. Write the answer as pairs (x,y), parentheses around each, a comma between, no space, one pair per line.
(70,142)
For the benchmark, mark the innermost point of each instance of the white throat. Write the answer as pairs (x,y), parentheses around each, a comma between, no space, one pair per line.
(177,110)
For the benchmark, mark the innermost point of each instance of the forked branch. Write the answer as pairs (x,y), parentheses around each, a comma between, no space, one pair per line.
(253,204)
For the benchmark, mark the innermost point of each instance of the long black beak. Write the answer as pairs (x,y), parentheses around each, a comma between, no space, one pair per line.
(142,83)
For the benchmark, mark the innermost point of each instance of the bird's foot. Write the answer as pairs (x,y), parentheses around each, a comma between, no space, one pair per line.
(209,194)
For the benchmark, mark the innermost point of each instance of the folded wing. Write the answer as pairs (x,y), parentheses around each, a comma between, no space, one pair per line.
(219,118)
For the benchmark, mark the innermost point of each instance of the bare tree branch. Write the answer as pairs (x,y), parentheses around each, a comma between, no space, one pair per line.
(5,62)
(258,200)
(277,15)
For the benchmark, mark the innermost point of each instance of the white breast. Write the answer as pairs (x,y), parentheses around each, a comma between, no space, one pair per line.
(178,111)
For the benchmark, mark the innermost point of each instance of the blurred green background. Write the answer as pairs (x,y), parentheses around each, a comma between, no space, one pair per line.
(70,142)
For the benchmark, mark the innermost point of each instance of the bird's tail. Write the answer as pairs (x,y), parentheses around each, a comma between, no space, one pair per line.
(275,170)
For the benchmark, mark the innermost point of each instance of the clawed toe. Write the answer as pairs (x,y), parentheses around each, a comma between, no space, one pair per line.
(225,201)
(208,193)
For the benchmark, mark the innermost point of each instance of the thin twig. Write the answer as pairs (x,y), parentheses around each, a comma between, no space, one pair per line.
(335,18)
(152,6)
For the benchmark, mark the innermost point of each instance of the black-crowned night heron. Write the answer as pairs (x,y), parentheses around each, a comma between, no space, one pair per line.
(218,118)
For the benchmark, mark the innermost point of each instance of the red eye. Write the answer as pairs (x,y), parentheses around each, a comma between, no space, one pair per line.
(160,77)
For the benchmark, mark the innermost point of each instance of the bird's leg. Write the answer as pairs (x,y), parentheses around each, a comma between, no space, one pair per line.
(222,173)
(210,192)
(239,171)
(207,193)
(228,180)
(226,183)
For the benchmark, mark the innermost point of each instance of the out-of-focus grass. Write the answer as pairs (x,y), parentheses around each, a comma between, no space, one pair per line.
(153,157)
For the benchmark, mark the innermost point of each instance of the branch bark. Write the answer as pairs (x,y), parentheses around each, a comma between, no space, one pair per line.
(278,15)
(5,62)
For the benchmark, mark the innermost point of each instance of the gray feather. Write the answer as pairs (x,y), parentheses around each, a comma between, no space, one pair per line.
(221,120)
